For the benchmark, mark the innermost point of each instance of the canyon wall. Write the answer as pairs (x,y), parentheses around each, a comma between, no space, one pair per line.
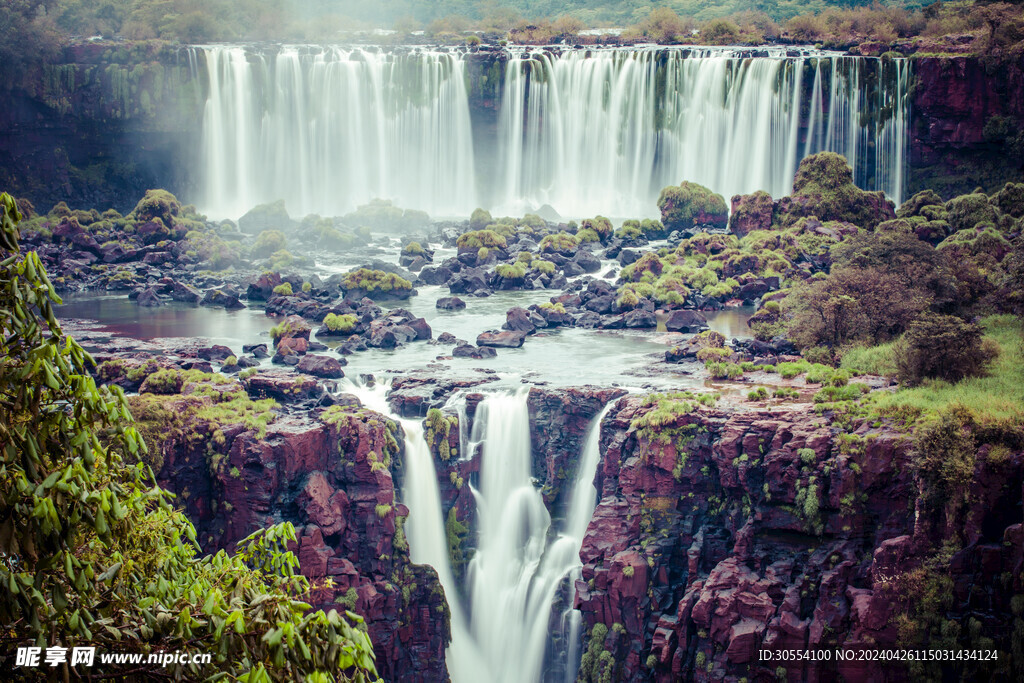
(722,534)
(115,119)
(329,473)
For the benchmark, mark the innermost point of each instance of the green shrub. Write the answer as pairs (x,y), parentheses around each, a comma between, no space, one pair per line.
(511,271)
(476,239)
(942,347)
(283,289)
(340,323)
(375,281)
(267,243)
(758,394)
(724,370)
(561,242)
(543,266)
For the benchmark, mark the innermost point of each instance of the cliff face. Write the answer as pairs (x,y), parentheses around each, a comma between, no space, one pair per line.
(330,475)
(730,533)
(109,122)
(115,119)
(967,118)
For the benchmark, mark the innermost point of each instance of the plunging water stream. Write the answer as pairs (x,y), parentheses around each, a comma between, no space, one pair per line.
(520,561)
(585,131)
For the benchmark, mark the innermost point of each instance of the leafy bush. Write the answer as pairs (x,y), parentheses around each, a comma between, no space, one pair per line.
(283,289)
(104,566)
(375,281)
(942,347)
(561,242)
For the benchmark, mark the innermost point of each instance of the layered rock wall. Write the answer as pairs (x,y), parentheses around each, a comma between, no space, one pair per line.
(722,534)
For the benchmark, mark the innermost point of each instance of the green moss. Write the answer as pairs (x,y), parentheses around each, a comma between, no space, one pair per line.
(344,323)
(268,243)
(690,205)
(283,289)
(561,242)
(476,239)
(375,281)
(511,271)
(413,248)
(543,266)
(480,219)
(457,533)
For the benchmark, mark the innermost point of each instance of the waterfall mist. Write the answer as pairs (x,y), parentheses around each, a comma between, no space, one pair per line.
(584,131)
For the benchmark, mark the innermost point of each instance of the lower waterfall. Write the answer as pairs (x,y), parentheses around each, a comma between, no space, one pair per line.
(502,633)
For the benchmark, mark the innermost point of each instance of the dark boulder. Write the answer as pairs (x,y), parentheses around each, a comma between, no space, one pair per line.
(501,338)
(450,303)
(320,366)
(686,321)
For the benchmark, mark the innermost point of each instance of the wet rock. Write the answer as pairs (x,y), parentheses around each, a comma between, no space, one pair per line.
(320,366)
(280,385)
(519,319)
(501,339)
(185,293)
(148,298)
(640,318)
(217,297)
(587,261)
(257,350)
(686,321)
(470,351)
(450,303)
(214,353)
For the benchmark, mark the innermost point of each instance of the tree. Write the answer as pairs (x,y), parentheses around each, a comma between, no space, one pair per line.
(91,551)
(942,347)
(867,305)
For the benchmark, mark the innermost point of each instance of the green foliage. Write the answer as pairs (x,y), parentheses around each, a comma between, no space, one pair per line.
(724,370)
(561,242)
(690,205)
(413,248)
(481,238)
(457,533)
(942,347)
(283,289)
(543,266)
(95,555)
(870,360)
(512,271)
(340,323)
(759,394)
(480,219)
(375,281)
(438,431)
(268,243)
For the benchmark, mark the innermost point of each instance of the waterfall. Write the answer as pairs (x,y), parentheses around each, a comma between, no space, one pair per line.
(585,131)
(328,129)
(602,131)
(520,562)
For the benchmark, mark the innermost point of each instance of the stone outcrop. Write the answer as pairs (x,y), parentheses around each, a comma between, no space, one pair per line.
(772,529)
(330,474)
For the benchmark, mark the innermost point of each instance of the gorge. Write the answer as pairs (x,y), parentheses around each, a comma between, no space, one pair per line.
(772,404)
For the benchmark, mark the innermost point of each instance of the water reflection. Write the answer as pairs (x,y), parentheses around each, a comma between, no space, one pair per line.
(122,316)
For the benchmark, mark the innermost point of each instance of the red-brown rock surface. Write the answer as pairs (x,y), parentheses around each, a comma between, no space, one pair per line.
(774,530)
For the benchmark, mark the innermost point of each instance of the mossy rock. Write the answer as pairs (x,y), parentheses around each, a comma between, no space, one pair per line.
(272,216)
(1010,200)
(823,188)
(689,205)
(917,203)
(968,210)
(480,219)
(376,284)
(600,226)
(268,243)
(751,212)
(157,204)
(477,239)
(981,240)
(561,243)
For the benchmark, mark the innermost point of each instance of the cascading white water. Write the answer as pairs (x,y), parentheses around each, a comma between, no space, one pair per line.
(519,562)
(603,131)
(586,131)
(329,128)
